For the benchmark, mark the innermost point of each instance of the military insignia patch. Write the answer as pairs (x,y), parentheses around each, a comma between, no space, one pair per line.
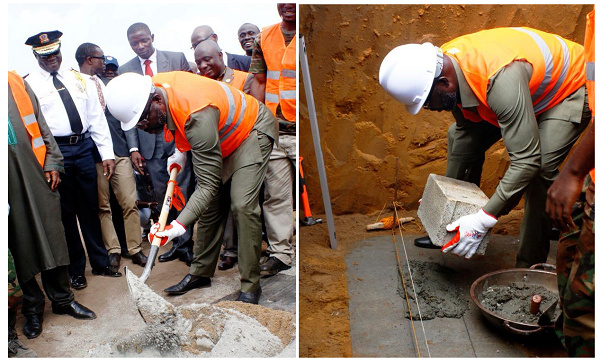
(44,38)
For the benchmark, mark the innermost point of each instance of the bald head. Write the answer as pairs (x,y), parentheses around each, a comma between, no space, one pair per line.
(202,33)
(209,59)
(246,34)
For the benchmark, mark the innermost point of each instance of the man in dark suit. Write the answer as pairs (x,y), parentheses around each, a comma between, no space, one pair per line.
(205,32)
(151,147)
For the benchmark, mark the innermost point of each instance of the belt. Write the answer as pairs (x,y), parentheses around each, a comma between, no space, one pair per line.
(72,139)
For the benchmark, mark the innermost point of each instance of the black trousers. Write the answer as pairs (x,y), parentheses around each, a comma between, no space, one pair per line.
(79,201)
(56,286)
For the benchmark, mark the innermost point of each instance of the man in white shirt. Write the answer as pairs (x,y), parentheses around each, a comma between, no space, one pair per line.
(75,117)
(91,60)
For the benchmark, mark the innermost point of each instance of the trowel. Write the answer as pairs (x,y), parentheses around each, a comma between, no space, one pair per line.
(546,317)
(162,222)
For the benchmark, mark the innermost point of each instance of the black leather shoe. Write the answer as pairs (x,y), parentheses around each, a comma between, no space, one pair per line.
(272,266)
(76,310)
(114,261)
(170,255)
(188,282)
(227,262)
(33,325)
(78,282)
(250,297)
(187,257)
(139,259)
(107,271)
(425,242)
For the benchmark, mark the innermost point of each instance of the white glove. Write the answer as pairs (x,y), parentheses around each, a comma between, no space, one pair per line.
(471,229)
(176,160)
(173,230)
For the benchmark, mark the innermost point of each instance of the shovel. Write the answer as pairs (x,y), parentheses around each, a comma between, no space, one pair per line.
(546,317)
(162,222)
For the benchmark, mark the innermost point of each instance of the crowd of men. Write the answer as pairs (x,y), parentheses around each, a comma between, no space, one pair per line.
(90,152)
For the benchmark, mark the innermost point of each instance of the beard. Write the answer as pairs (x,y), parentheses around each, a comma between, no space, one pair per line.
(161,120)
(448,100)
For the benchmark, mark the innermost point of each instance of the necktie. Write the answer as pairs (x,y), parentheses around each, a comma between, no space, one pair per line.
(99,90)
(72,112)
(148,70)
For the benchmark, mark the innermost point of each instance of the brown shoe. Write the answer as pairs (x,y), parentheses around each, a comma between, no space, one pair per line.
(227,263)
(139,259)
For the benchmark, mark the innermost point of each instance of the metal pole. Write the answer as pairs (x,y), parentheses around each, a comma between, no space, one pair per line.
(312,114)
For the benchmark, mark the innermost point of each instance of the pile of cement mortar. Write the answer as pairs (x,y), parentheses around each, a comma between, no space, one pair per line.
(200,330)
(437,291)
(512,302)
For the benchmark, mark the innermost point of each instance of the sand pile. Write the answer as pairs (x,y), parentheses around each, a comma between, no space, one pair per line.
(228,329)
(437,291)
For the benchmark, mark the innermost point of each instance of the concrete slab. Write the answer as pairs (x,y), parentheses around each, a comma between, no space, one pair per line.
(378,327)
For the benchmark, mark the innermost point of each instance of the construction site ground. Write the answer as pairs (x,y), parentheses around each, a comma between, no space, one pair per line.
(350,302)
(118,317)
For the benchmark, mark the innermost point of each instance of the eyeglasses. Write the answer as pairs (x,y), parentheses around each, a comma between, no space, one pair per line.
(144,117)
(98,57)
(194,45)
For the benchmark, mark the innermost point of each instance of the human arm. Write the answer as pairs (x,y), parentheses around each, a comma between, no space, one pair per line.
(566,188)
(98,127)
(509,97)
(131,136)
(258,67)
(201,131)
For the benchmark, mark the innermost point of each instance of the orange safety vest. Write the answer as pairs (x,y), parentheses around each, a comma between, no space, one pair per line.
(239,79)
(188,93)
(557,65)
(281,71)
(17,86)
(590,68)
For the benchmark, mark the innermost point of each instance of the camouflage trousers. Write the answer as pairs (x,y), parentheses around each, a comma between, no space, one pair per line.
(575,270)
(15,296)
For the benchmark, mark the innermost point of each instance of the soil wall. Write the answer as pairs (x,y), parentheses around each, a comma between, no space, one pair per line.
(362,129)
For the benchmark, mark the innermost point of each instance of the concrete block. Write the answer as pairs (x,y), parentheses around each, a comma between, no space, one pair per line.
(446,200)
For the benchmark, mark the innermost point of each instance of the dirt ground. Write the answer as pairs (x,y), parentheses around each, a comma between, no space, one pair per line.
(362,132)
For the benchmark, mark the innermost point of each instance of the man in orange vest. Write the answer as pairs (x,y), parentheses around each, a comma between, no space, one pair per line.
(36,237)
(209,61)
(274,68)
(230,135)
(575,259)
(519,84)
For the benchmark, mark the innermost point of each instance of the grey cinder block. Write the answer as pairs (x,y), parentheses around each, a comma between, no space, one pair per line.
(446,200)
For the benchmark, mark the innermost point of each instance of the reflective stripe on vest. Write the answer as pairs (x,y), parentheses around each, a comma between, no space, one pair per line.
(17,87)
(188,93)
(281,74)
(227,129)
(557,64)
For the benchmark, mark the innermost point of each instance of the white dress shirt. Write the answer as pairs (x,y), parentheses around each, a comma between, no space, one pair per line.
(86,101)
(153,65)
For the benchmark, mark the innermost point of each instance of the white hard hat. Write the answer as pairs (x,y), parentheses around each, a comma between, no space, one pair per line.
(408,71)
(126,97)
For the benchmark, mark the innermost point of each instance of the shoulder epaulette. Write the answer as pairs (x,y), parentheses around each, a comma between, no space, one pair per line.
(80,79)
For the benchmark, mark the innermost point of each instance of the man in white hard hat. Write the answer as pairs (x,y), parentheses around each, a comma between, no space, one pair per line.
(519,84)
(230,135)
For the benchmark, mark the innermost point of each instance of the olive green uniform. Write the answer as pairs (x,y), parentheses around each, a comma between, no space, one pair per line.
(536,145)
(234,182)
